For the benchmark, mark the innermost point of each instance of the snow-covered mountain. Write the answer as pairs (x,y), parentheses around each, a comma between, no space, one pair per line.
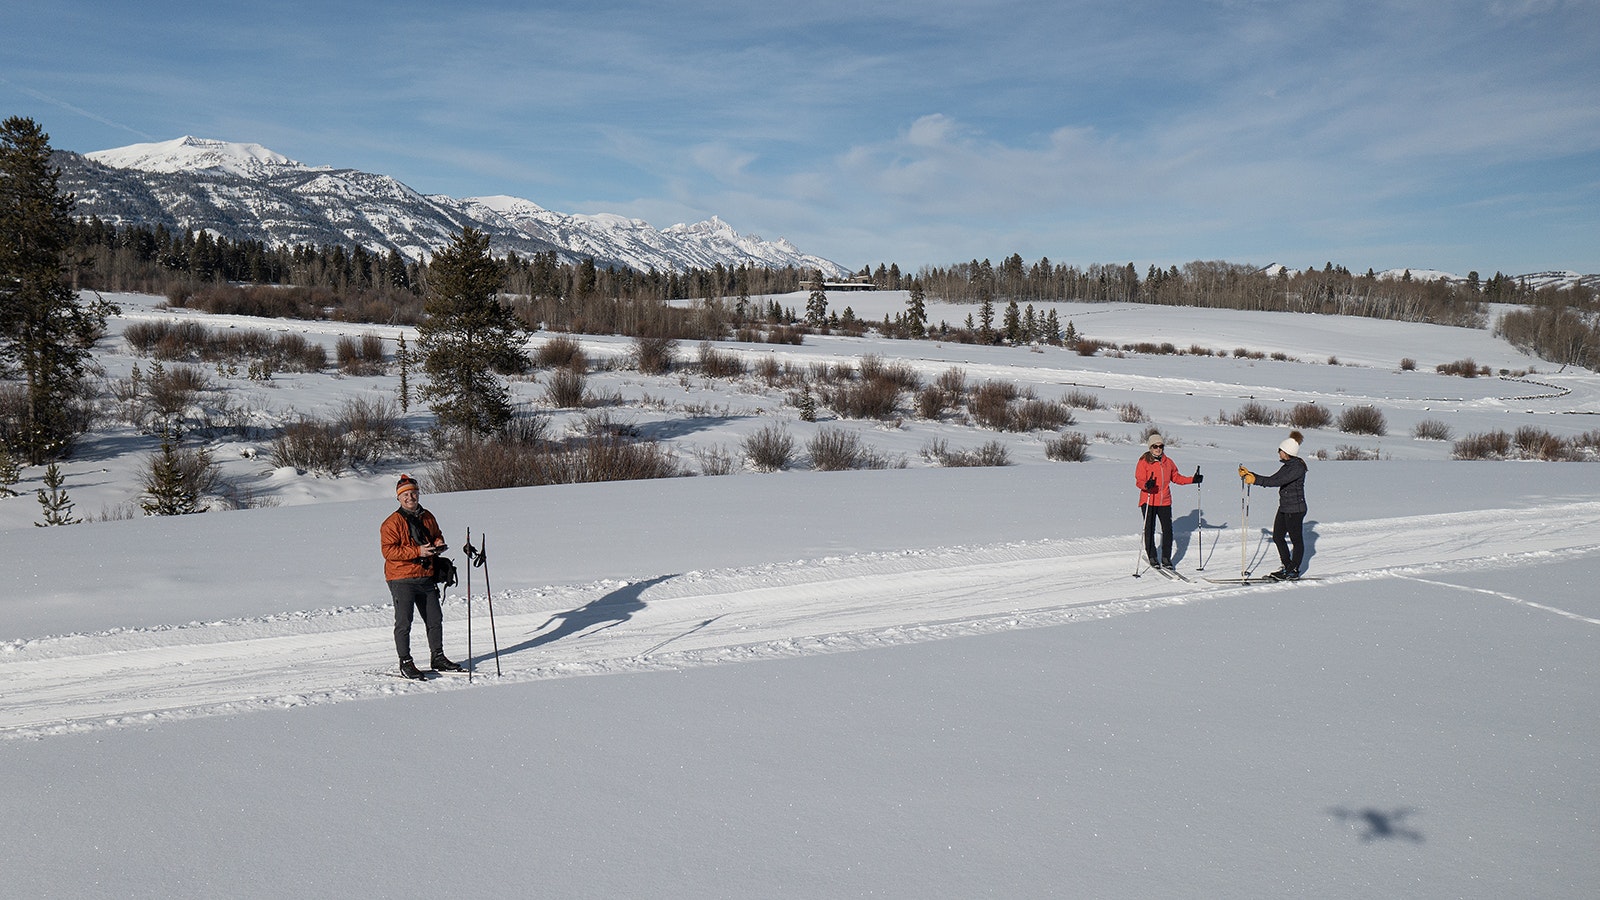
(244,191)
(1535,280)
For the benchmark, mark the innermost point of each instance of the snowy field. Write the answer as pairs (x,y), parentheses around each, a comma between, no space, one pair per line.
(910,682)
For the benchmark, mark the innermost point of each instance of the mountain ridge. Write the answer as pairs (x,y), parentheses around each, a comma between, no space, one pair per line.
(244,191)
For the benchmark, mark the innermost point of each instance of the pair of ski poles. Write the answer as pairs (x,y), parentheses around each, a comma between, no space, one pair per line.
(478,557)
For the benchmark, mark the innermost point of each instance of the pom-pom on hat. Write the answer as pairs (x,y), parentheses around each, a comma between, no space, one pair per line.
(1291,445)
(406,483)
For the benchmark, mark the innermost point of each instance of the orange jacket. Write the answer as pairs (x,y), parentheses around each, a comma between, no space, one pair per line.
(1166,474)
(402,555)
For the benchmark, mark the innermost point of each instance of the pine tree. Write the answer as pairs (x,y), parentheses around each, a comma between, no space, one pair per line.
(10,473)
(986,332)
(173,481)
(44,330)
(917,310)
(817,307)
(57,506)
(468,336)
(1013,323)
(403,356)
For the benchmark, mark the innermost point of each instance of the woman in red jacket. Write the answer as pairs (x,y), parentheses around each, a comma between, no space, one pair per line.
(1154,475)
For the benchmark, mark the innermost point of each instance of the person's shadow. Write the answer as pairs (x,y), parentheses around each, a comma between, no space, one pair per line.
(605,612)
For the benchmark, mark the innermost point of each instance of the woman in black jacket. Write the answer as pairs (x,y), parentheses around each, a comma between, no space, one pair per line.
(1289,525)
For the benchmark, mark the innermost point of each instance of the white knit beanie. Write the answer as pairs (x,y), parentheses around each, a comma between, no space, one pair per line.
(1291,444)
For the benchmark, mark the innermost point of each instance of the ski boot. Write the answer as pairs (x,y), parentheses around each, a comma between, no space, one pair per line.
(442,663)
(408,669)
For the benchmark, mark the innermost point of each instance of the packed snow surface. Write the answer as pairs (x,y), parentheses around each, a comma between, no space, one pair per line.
(910,682)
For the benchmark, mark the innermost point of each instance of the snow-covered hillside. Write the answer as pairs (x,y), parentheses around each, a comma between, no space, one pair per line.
(245,191)
(905,682)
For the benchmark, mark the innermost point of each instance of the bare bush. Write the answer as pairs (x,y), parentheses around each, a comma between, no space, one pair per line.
(1536,443)
(1432,430)
(494,464)
(654,355)
(1069,447)
(561,352)
(715,363)
(311,446)
(1487,445)
(875,398)
(1408,364)
(1466,368)
(933,402)
(834,449)
(993,453)
(990,404)
(953,381)
(714,460)
(372,427)
(567,389)
(1254,413)
(1352,453)
(1310,415)
(1080,399)
(360,356)
(1363,419)
(1132,414)
(770,449)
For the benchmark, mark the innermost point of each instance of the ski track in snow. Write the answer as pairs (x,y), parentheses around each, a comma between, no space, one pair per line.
(83,682)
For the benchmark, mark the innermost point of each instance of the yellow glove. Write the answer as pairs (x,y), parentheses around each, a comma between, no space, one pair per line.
(1243,471)
(1250,478)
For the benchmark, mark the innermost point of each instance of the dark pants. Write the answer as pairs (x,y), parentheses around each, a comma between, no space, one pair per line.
(414,595)
(1152,515)
(1289,528)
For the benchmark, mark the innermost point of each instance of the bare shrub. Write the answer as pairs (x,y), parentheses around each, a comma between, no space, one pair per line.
(1039,415)
(770,449)
(1536,443)
(360,356)
(561,352)
(1408,364)
(834,449)
(1487,445)
(1089,346)
(1466,368)
(769,370)
(993,453)
(1080,399)
(1363,419)
(715,363)
(567,389)
(1350,452)
(990,404)
(714,460)
(1310,415)
(875,398)
(1069,447)
(1587,444)
(494,464)
(311,446)
(654,355)
(1254,413)
(953,381)
(1132,414)
(371,427)
(1432,430)
(874,368)
(933,402)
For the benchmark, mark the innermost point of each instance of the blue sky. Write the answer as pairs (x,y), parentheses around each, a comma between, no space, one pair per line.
(1446,135)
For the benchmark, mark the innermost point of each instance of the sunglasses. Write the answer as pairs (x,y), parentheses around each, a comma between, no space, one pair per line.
(1158,446)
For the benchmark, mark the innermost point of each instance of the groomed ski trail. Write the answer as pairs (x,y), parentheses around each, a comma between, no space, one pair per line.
(83,682)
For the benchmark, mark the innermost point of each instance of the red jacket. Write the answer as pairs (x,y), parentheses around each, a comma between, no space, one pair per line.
(1165,472)
(402,555)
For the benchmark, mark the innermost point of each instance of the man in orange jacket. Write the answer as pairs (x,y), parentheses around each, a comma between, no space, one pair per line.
(411,542)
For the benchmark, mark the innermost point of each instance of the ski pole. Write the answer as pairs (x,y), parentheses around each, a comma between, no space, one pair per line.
(1200,520)
(1244,524)
(470,664)
(488,593)
(1138,557)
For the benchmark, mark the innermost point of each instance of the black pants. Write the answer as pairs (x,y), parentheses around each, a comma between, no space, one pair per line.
(1289,528)
(414,595)
(1152,515)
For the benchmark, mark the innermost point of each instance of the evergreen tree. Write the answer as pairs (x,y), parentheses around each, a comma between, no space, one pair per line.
(57,506)
(10,473)
(986,332)
(917,310)
(44,330)
(1013,322)
(172,481)
(468,336)
(817,307)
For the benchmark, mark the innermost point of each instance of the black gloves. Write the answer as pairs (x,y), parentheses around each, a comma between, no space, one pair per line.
(1150,485)
(1198,477)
